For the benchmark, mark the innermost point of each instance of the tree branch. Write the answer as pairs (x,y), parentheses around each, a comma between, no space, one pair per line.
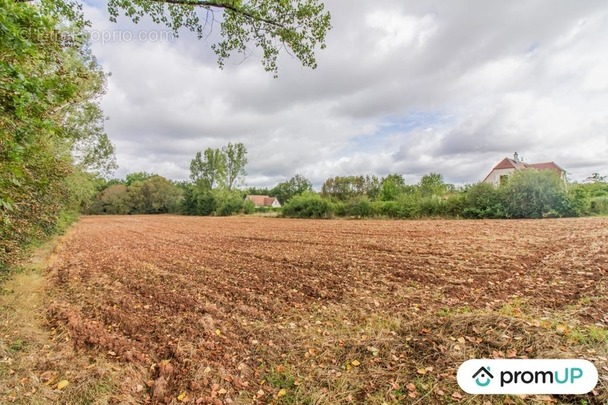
(231,7)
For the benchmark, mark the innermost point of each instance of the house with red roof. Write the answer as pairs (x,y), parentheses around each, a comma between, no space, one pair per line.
(263,201)
(507,166)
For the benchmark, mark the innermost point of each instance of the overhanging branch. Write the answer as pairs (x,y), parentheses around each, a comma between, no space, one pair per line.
(231,7)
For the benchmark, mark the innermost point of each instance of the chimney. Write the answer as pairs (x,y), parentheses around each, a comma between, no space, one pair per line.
(516,157)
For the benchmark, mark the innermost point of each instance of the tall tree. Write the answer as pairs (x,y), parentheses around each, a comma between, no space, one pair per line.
(391,187)
(298,26)
(208,169)
(297,185)
(235,160)
(51,128)
(432,184)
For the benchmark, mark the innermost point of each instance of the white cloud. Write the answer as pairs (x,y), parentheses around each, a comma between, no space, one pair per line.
(401,31)
(450,87)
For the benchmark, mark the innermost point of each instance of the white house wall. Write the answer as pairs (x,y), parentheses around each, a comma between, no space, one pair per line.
(494,176)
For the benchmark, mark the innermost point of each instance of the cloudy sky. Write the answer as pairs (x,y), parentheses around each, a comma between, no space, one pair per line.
(407,87)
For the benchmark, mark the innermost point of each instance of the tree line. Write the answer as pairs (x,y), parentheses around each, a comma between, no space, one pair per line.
(216,188)
(524,194)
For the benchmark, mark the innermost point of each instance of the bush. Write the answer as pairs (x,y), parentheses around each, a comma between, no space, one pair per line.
(432,206)
(205,203)
(589,199)
(308,205)
(228,203)
(405,207)
(536,194)
(483,200)
(339,208)
(248,207)
(455,204)
(265,210)
(388,208)
(598,206)
(359,207)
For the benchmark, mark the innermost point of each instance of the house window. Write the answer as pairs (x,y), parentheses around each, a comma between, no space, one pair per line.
(503,179)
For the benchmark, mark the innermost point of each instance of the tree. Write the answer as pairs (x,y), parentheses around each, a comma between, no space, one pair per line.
(260,191)
(346,188)
(153,195)
(286,190)
(235,160)
(391,187)
(219,167)
(115,200)
(596,178)
(432,184)
(138,176)
(535,194)
(160,195)
(298,26)
(208,169)
(51,126)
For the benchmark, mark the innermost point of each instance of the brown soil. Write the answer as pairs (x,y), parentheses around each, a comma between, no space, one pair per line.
(216,308)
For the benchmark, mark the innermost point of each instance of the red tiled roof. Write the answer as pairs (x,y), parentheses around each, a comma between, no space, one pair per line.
(507,163)
(268,201)
(546,166)
(261,200)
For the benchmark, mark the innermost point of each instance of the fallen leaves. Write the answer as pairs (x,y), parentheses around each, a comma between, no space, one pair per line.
(424,370)
(62,384)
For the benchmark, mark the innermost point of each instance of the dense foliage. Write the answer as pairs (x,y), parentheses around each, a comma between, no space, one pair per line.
(590,198)
(526,194)
(51,127)
(215,173)
(141,193)
(309,205)
(298,26)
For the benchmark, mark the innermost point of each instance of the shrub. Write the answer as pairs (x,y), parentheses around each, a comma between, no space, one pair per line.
(432,206)
(205,203)
(359,207)
(406,206)
(339,208)
(483,200)
(455,204)
(598,206)
(589,199)
(536,194)
(228,203)
(248,207)
(308,205)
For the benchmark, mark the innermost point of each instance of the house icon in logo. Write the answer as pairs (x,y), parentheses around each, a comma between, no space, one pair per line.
(483,377)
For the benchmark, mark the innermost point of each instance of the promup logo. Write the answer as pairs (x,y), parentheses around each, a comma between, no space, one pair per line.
(483,377)
(527,376)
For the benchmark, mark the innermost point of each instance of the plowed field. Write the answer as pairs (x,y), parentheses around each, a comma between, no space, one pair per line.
(245,309)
